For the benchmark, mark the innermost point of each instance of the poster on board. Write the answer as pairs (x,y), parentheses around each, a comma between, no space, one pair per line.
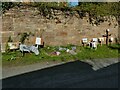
(84,40)
(38,41)
(95,39)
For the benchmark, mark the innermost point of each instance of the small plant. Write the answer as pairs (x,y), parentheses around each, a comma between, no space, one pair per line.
(53,60)
(10,39)
(62,59)
(23,37)
(7,48)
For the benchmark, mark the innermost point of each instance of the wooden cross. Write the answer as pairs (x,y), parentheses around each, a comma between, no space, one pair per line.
(107,36)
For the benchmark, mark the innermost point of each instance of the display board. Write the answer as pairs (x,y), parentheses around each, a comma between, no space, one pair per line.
(95,39)
(84,40)
(38,41)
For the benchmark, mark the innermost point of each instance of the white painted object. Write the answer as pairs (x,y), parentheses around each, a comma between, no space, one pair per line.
(24,48)
(38,41)
(29,49)
(112,39)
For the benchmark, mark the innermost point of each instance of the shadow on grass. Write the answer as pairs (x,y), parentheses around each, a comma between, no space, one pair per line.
(117,46)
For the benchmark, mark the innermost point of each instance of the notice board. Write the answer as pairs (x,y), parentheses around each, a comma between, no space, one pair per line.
(38,41)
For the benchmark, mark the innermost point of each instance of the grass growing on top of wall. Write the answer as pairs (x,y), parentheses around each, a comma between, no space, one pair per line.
(15,58)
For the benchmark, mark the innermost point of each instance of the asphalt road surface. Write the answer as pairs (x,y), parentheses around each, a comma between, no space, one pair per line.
(71,75)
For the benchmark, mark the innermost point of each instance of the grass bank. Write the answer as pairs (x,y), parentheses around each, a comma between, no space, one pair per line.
(15,58)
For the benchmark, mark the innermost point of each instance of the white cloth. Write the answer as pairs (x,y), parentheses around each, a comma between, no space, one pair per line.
(34,49)
(24,48)
(29,49)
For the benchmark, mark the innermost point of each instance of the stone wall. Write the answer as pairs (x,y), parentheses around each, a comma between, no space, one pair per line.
(62,29)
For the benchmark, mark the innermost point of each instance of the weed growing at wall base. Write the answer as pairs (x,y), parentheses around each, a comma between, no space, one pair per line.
(14,58)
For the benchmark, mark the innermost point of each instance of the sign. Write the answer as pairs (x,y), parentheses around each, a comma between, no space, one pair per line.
(13,45)
(101,39)
(38,41)
(111,38)
(95,39)
(84,40)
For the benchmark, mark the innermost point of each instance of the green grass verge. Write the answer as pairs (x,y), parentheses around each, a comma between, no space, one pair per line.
(15,58)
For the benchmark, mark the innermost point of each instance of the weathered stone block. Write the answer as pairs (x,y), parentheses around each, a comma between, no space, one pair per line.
(62,34)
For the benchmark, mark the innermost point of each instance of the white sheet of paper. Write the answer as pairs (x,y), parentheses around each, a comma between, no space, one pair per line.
(84,40)
(112,38)
(95,39)
(101,39)
(38,41)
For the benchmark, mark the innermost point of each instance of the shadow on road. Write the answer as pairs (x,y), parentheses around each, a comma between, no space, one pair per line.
(70,75)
